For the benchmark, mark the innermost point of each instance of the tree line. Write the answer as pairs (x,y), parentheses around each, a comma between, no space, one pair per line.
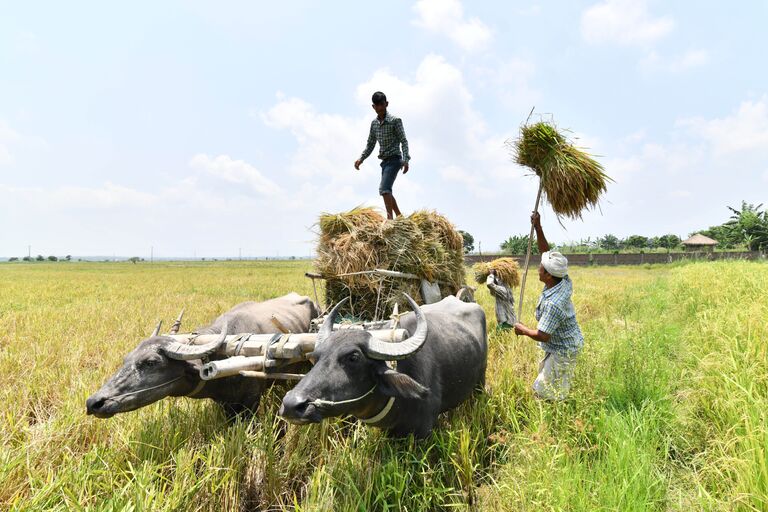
(746,228)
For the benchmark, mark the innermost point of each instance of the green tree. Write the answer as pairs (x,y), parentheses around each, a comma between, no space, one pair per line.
(40,257)
(134,259)
(517,244)
(636,242)
(68,257)
(669,241)
(468,241)
(52,258)
(14,258)
(610,243)
(26,258)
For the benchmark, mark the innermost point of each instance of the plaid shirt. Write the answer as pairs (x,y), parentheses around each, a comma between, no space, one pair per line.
(390,134)
(557,317)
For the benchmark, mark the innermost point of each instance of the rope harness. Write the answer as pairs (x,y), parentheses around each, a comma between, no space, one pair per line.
(319,402)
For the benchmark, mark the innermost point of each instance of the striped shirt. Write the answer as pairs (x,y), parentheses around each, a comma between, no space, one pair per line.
(557,317)
(390,135)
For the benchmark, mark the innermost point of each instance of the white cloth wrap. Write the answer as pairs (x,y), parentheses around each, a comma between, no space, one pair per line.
(555,263)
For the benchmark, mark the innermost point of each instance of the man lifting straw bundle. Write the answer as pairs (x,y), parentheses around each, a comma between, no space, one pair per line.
(571,181)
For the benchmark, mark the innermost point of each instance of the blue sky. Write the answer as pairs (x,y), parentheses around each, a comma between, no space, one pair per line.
(206,128)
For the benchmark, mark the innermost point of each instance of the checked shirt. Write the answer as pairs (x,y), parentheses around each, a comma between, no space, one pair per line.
(557,317)
(390,135)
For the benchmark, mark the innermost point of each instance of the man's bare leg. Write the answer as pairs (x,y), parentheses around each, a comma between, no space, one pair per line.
(394,206)
(388,204)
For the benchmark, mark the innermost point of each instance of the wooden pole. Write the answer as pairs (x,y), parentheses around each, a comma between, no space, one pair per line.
(527,259)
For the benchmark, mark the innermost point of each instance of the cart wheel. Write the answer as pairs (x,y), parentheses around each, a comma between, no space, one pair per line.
(465,294)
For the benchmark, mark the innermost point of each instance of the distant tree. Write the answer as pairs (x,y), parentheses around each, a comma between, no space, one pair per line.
(68,257)
(517,244)
(636,242)
(14,258)
(40,257)
(134,259)
(26,258)
(52,258)
(669,241)
(469,242)
(610,243)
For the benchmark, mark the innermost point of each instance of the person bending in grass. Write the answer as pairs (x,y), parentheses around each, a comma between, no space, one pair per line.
(557,332)
(505,301)
(388,131)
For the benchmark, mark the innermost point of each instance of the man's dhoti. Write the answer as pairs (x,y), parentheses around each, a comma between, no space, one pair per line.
(555,374)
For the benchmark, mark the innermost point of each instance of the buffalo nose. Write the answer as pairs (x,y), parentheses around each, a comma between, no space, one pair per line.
(93,405)
(293,406)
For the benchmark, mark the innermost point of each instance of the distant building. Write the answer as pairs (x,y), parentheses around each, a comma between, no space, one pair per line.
(700,243)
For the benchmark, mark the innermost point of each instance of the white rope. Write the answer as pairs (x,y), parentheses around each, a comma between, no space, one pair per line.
(381,414)
(329,403)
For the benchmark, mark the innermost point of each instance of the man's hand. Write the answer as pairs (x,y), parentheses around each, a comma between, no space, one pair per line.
(357,164)
(489,279)
(405,167)
(536,219)
(520,329)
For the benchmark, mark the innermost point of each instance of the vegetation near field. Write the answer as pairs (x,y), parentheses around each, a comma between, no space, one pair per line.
(669,409)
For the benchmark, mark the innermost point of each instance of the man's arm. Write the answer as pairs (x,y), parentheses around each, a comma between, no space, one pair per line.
(536,334)
(400,133)
(368,148)
(541,241)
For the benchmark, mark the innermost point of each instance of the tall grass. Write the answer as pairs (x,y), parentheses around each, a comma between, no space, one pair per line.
(668,410)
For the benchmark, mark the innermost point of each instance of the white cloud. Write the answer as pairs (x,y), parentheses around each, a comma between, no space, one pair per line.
(472,181)
(511,82)
(624,22)
(234,171)
(691,59)
(746,130)
(69,197)
(446,17)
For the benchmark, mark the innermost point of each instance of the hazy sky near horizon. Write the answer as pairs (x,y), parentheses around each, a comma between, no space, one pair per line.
(202,128)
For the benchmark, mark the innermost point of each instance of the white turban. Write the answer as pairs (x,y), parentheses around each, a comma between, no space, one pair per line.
(555,263)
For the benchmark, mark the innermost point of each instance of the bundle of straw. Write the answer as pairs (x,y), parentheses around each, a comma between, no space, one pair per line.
(507,271)
(425,244)
(571,180)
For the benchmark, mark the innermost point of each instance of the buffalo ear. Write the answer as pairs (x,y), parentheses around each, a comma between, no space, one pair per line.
(397,384)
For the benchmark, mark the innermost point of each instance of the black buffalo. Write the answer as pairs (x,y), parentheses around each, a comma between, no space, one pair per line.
(160,367)
(438,367)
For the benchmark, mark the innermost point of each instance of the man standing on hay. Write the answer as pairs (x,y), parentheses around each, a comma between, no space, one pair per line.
(557,332)
(388,131)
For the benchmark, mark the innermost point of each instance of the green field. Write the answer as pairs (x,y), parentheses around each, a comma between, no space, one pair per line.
(669,410)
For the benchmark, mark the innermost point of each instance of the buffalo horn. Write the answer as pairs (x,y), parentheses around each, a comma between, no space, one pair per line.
(157,329)
(386,351)
(177,324)
(185,352)
(327,327)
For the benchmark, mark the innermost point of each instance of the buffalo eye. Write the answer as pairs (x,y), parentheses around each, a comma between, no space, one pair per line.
(353,357)
(149,362)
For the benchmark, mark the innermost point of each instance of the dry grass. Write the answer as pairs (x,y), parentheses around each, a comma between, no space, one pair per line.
(571,179)
(507,270)
(425,244)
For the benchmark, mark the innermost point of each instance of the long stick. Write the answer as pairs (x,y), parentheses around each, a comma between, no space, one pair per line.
(527,260)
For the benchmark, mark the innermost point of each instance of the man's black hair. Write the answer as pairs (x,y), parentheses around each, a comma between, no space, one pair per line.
(379,98)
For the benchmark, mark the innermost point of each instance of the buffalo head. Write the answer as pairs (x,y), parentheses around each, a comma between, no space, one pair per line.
(350,374)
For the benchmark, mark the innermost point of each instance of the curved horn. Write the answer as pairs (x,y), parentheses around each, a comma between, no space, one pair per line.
(177,324)
(157,329)
(184,352)
(393,351)
(327,327)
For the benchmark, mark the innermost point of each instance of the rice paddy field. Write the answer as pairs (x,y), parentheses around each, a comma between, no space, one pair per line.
(669,409)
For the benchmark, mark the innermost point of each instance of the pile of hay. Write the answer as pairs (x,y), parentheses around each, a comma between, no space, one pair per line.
(507,270)
(425,244)
(571,179)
